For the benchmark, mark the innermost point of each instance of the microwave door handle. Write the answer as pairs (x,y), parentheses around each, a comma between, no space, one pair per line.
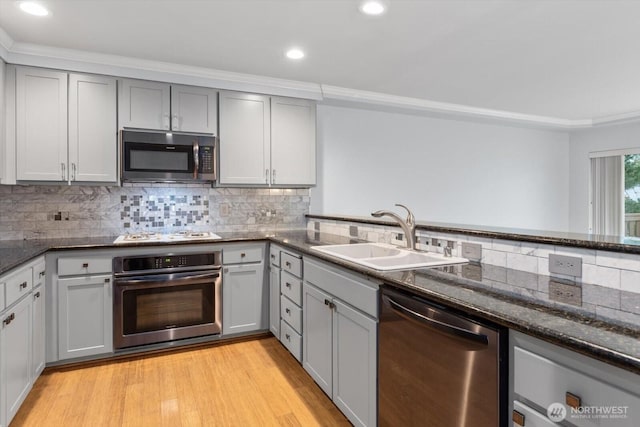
(196,158)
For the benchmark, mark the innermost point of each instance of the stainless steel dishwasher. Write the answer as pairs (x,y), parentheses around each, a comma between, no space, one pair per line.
(438,368)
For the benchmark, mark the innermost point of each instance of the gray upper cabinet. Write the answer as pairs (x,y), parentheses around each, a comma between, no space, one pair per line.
(161,106)
(194,109)
(245,138)
(41,125)
(93,129)
(65,127)
(269,141)
(145,105)
(293,141)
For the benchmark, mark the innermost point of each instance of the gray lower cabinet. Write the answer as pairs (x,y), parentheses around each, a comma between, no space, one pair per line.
(85,313)
(15,361)
(39,331)
(244,291)
(340,340)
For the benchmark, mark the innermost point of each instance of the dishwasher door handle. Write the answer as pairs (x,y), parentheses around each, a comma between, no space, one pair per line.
(445,327)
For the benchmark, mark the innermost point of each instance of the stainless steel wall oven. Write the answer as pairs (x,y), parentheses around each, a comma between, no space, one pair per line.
(161,298)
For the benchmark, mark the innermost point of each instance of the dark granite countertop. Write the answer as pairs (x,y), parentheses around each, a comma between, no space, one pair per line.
(591,241)
(525,302)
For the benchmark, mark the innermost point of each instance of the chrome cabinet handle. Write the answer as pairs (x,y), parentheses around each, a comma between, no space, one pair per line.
(23,285)
(165,118)
(273,176)
(266,176)
(64,174)
(174,122)
(10,318)
(196,158)
(73,171)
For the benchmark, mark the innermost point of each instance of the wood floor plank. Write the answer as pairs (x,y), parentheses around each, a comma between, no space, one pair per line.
(248,383)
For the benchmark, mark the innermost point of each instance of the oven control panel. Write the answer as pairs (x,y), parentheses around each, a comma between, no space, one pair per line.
(137,264)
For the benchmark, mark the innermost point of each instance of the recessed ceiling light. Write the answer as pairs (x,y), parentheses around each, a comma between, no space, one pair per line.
(295,53)
(372,7)
(33,8)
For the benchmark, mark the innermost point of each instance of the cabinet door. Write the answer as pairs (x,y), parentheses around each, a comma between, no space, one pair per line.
(194,109)
(244,138)
(15,357)
(354,364)
(41,125)
(85,316)
(93,142)
(144,104)
(317,339)
(39,332)
(293,141)
(244,299)
(274,300)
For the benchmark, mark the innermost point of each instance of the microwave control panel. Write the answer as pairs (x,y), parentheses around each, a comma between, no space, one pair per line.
(206,159)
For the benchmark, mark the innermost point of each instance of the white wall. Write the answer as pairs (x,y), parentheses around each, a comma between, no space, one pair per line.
(581,144)
(446,170)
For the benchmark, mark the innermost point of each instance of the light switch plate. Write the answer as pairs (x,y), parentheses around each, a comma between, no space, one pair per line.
(567,265)
(472,251)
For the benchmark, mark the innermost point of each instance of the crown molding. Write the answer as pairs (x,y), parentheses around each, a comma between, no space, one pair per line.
(5,44)
(121,66)
(346,96)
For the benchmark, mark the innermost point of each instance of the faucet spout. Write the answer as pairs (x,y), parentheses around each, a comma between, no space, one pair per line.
(408,226)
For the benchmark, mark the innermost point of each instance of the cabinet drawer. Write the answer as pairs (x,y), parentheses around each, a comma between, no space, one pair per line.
(291,263)
(18,284)
(291,313)
(83,265)
(543,382)
(291,339)
(274,255)
(242,255)
(530,417)
(291,287)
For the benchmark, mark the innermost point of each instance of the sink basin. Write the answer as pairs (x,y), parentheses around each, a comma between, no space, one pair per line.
(380,256)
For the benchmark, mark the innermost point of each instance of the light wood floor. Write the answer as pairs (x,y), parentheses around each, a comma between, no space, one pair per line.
(249,383)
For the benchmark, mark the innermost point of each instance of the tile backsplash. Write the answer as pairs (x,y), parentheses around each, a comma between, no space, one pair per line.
(39,211)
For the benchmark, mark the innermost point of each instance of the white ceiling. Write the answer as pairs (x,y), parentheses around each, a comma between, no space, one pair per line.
(558,58)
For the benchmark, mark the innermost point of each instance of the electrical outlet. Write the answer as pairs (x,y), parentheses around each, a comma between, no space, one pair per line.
(472,251)
(567,265)
(567,293)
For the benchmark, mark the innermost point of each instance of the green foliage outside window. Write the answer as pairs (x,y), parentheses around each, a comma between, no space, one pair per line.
(631,181)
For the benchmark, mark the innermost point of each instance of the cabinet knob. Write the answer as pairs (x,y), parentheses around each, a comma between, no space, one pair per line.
(85,265)
(287,311)
(288,264)
(242,255)
(288,285)
(517,418)
(288,337)
(572,400)
(273,256)
(107,280)
(23,285)
(36,295)
(42,273)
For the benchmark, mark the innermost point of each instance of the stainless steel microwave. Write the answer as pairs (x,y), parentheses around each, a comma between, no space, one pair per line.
(167,157)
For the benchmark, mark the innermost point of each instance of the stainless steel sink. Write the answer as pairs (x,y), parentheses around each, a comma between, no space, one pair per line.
(380,256)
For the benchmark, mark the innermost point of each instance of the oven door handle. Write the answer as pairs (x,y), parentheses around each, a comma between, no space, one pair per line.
(165,280)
